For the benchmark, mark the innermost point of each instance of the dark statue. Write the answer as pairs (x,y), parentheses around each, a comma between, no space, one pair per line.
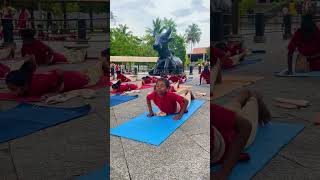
(167,62)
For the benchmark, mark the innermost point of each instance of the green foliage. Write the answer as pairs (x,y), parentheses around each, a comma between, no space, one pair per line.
(123,43)
(193,34)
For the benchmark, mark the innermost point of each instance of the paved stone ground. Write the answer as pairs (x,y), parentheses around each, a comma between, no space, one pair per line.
(299,159)
(64,151)
(184,155)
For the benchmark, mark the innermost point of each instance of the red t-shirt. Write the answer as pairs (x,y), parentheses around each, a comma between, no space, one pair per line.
(23,19)
(123,78)
(73,80)
(206,76)
(43,83)
(174,79)
(126,87)
(167,103)
(224,121)
(307,47)
(36,48)
(147,81)
(4,70)
(217,54)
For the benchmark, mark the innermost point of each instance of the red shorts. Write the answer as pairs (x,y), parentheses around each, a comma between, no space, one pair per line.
(74,80)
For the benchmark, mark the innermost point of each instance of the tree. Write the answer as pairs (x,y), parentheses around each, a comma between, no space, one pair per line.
(193,34)
(169,23)
(157,27)
(124,30)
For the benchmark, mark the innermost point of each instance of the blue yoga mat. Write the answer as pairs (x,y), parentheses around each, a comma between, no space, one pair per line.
(119,99)
(154,130)
(25,119)
(269,140)
(309,74)
(100,174)
(244,63)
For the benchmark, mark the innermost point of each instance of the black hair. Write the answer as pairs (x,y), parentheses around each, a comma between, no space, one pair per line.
(22,76)
(116,85)
(28,33)
(105,53)
(166,82)
(308,27)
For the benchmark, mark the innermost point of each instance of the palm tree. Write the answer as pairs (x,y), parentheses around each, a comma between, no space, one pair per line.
(157,27)
(193,34)
(169,23)
(124,30)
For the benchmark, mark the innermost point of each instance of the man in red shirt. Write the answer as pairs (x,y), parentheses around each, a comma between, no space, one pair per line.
(234,128)
(122,77)
(205,74)
(168,102)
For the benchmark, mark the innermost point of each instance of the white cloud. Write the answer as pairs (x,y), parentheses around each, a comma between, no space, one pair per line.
(138,15)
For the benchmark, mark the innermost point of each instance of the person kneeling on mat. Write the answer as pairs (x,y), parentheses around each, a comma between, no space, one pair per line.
(168,102)
(26,82)
(234,128)
(42,52)
(306,40)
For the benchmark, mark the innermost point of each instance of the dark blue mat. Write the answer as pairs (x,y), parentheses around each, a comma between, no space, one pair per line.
(25,119)
(269,140)
(119,99)
(100,174)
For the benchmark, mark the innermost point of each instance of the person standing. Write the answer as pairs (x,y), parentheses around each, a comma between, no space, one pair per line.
(7,14)
(24,15)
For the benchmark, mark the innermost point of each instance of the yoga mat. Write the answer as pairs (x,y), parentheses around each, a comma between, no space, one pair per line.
(26,119)
(269,140)
(100,174)
(245,62)
(153,130)
(309,74)
(119,99)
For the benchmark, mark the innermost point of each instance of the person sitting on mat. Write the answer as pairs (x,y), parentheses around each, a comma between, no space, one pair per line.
(227,61)
(181,78)
(42,52)
(122,77)
(234,128)
(168,102)
(306,40)
(26,82)
(205,74)
(119,87)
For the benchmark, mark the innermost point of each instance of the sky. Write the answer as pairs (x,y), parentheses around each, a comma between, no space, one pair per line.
(138,15)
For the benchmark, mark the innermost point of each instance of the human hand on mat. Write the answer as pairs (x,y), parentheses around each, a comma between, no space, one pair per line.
(178,117)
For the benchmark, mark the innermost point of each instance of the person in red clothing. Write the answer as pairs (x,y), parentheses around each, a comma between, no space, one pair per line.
(168,102)
(43,53)
(122,77)
(4,70)
(23,16)
(306,40)
(234,128)
(227,59)
(26,82)
(118,87)
(205,74)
